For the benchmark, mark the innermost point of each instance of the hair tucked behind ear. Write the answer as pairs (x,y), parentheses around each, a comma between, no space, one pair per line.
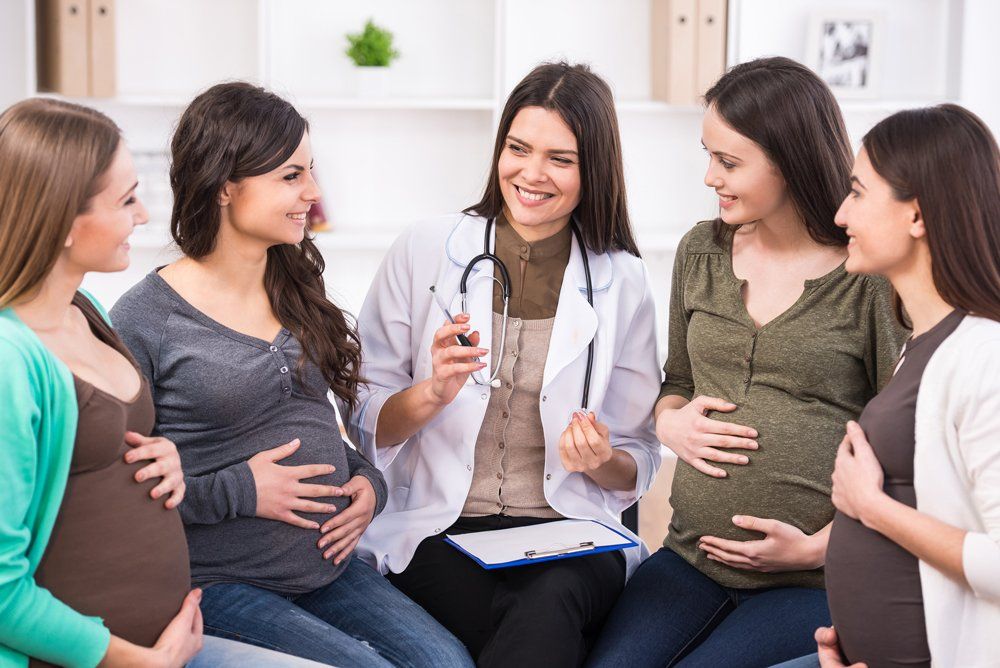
(53,159)
(947,159)
(230,132)
(784,108)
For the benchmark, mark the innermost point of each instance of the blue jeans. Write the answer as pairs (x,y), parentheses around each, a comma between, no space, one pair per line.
(810,661)
(222,653)
(358,620)
(670,614)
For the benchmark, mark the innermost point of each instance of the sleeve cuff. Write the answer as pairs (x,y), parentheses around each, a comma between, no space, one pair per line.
(981,563)
(668,389)
(378,484)
(244,489)
(366,426)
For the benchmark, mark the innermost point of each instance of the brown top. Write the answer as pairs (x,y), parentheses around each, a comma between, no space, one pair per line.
(873,584)
(115,553)
(536,271)
(510,449)
(508,474)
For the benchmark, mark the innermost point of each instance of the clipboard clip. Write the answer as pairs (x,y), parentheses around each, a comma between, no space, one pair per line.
(538,554)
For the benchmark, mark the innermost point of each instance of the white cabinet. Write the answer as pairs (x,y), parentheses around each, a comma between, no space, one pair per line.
(424,148)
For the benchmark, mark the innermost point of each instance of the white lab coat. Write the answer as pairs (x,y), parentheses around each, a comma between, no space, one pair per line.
(430,474)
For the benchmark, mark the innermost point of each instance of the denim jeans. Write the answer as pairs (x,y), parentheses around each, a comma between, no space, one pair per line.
(808,661)
(358,620)
(670,614)
(222,653)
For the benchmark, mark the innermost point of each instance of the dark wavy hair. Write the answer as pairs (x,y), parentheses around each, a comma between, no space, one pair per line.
(230,132)
(784,108)
(585,102)
(947,159)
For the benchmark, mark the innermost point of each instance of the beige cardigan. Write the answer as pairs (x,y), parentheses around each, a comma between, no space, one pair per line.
(957,480)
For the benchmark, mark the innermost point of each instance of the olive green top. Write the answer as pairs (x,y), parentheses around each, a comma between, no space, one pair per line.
(797,380)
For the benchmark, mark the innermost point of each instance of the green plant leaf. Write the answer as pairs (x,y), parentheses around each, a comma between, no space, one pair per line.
(372,47)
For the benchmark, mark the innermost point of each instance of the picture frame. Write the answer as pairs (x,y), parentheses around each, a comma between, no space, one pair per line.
(844,48)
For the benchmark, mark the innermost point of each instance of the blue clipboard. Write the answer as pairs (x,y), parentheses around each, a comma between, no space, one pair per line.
(538,557)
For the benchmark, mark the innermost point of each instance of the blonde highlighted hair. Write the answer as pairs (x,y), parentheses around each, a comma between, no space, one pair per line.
(53,156)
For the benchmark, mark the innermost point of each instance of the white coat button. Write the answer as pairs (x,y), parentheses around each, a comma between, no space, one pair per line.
(548,476)
(437,530)
(469,466)
(484,397)
(545,397)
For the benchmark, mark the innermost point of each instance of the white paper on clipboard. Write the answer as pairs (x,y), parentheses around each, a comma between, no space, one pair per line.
(539,542)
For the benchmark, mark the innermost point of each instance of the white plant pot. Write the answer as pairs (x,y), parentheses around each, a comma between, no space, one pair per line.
(372,81)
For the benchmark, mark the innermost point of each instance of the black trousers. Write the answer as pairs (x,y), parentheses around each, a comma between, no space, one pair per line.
(545,614)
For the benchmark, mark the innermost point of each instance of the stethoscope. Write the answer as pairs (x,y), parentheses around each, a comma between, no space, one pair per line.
(504,282)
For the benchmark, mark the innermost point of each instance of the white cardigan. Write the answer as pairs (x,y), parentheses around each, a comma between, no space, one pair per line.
(957,480)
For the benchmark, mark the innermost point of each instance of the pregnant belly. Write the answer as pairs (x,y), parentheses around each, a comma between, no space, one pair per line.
(117,554)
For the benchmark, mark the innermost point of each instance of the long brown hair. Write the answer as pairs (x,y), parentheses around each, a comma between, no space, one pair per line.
(784,108)
(585,103)
(946,158)
(53,157)
(230,132)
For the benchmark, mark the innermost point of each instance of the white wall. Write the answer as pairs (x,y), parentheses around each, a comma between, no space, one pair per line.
(424,149)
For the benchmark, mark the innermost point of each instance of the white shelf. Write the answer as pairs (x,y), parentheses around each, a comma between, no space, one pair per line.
(875,106)
(397,104)
(656,107)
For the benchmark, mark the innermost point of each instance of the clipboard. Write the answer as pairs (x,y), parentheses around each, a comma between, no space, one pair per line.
(538,543)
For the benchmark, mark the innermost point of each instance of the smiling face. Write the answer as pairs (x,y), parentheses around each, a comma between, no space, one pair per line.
(98,238)
(272,208)
(539,171)
(749,186)
(884,232)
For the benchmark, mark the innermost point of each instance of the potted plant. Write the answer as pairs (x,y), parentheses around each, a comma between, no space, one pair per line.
(372,53)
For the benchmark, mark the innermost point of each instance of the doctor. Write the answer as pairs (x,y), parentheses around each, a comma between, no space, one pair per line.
(491,436)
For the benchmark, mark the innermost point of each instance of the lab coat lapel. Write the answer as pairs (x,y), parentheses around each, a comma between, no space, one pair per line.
(575,323)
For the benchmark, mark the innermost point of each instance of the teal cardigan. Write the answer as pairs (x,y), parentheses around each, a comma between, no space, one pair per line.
(38,416)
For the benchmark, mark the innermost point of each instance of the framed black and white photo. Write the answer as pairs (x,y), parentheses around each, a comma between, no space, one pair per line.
(844,52)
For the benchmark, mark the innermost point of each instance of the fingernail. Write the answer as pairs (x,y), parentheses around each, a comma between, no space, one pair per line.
(744,460)
(753,433)
(129,458)
(139,477)
(322,544)
(314,526)
(466,328)
(482,365)
(481,351)
(737,519)
(755,444)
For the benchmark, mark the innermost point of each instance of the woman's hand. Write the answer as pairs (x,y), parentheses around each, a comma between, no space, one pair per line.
(279,490)
(696,439)
(453,363)
(180,641)
(343,531)
(857,475)
(166,464)
(783,548)
(828,648)
(585,444)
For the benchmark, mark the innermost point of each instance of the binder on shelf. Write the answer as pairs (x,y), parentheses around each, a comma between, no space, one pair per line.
(102,48)
(535,543)
(76,47)
(711,60)
(63,51)
(674,48)
(688,48)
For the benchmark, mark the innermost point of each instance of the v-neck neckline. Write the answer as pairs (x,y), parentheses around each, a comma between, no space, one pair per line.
(807,287)
(255,341)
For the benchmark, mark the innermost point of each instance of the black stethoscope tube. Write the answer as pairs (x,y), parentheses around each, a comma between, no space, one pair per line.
(505,291)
